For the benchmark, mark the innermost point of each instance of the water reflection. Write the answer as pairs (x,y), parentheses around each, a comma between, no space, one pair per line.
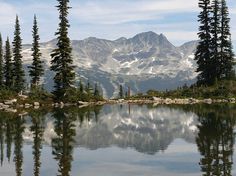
(62,145)
(146,129)
(37,129)
(215,140)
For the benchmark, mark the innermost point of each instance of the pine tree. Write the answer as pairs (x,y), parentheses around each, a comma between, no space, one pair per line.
(62,62)
(215,31)
(81,87)
(1,62)
(203,53)
(36,69)
(121,94)
(8,65)
(18,72)
(96,91)
(226,49)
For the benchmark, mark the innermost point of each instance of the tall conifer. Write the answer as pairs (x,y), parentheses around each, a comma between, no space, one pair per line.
(226,49)
(203,53)
(215,32)
(1,63)
(36,69)
(62,62)
(8,65)
(18,72)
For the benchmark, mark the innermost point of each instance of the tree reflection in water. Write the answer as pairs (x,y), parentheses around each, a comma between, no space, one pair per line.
(62,145)
(37,129)
(128,127)
(215,140)
(18,143)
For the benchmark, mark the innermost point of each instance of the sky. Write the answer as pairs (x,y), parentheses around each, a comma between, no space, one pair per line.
(108,19)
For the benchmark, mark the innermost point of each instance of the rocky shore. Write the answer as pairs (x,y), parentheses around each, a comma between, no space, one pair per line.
(13,105)
(156,100)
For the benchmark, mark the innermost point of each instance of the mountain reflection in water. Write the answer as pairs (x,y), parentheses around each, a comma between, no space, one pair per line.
(145,129)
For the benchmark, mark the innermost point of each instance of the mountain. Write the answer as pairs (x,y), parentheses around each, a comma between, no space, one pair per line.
(145,61)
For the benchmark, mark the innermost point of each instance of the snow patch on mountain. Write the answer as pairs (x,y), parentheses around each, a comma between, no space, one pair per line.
(147,60)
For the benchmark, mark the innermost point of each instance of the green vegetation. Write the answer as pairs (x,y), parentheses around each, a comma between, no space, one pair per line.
(62,62)
(36,69)
(1,62)
(6,94)
(214,53)
(74,95)
(214,57)
(8,74)
(17,72)
(222,89)
(12,76)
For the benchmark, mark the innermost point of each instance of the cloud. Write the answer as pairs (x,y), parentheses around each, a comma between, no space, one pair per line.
(7,14)
(123,11)
(109,19)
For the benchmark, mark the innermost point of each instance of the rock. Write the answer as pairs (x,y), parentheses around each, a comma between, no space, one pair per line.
(208,101)
(157,100)
(36,104)
(27,105)
(23,96)
(232,100)
(70,104)
(56,105)
(4,106)
(61,104)
(168,101)
(83,103)
(10,110)
(121,100)
(23,114)
(10,102)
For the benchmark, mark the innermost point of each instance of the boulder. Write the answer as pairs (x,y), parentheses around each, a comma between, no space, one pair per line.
(83,103)
(232,100)
(10,102)
(36,104)
(27,105)
(208,101)
(10,110)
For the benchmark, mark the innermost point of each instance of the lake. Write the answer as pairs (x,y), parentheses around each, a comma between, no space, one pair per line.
(120,140)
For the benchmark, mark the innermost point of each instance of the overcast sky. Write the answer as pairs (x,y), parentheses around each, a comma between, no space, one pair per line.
(109,19)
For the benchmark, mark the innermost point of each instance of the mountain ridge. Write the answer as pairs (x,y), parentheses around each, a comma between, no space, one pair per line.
(145,61)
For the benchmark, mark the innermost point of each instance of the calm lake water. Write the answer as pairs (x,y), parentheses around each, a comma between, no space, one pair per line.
(116,140)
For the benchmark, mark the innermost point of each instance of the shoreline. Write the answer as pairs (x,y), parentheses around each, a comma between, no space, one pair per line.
(13,106)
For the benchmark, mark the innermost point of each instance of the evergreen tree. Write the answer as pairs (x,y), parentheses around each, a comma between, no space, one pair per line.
(121,93)
(96,91)
(36,69)
(1,62)
(215,31)
(18,72)
(226,49)
(203,53)
(81,87)
(62,62)
(8,65)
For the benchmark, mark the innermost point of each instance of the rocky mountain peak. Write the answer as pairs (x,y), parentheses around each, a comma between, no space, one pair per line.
(145,61)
